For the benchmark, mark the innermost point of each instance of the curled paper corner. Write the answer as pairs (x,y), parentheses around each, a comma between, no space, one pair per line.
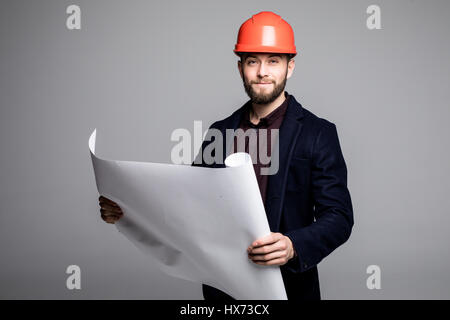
(238,159)
(92,139)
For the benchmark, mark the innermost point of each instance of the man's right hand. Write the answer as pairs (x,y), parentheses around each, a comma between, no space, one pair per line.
(110,211)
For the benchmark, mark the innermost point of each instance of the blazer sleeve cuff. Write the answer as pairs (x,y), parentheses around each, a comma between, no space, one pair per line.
(296,264)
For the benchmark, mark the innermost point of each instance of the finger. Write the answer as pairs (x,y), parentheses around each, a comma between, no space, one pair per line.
(103,199)
(108,213)
(110,219)
(110,203)
(107,201)
(274,262)
(269,239)
(268,257)
(108,207)
(277,246)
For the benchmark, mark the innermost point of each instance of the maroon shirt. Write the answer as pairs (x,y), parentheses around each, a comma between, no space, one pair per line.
(271,121)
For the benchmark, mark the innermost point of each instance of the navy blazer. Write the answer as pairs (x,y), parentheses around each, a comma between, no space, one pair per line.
(307,199)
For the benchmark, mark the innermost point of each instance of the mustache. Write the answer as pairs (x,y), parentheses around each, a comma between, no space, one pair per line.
(262,81)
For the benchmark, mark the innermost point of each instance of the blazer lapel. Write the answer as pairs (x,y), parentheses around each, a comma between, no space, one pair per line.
(289,131)
(232,123)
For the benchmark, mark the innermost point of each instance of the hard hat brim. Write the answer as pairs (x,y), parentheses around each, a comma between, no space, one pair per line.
(264,50)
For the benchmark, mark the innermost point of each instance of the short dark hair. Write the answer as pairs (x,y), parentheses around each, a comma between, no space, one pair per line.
(243,55)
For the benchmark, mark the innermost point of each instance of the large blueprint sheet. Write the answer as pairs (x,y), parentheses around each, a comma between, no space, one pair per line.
(195,223)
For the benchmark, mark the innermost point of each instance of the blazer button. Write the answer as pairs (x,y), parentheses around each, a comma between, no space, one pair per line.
(305,265)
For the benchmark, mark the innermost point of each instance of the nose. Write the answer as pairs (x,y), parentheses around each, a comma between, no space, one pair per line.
(262,71)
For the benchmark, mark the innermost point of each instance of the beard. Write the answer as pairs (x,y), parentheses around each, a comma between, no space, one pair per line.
(264,98)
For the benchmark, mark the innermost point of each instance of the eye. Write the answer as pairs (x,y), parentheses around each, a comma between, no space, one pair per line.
(251,61)
(273,61)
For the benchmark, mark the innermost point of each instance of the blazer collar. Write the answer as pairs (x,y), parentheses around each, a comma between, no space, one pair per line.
(294,111)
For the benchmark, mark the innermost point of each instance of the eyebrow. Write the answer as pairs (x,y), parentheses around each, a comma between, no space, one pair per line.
(271,56)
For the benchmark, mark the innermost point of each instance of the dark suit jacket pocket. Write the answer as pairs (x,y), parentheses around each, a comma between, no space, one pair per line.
(299,174)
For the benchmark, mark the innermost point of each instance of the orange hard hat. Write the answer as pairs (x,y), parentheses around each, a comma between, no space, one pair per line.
(265,32)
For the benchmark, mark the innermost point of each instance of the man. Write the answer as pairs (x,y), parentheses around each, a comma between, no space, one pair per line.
(307,202)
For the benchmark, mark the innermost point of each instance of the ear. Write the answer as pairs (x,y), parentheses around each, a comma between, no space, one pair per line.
(291,67)
(240,69)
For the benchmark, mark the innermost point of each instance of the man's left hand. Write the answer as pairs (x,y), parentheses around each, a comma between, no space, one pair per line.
(274,249)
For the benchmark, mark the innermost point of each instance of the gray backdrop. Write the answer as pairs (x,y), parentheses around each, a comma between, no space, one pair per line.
(137,70)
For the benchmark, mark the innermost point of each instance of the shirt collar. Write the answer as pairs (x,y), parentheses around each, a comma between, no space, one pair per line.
(270,118)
